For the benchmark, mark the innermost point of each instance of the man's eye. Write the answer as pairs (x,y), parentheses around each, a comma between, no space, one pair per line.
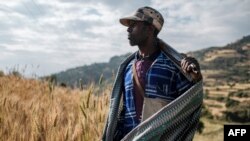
(132,23)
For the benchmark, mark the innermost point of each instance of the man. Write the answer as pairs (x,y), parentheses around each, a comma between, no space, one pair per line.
(147,81)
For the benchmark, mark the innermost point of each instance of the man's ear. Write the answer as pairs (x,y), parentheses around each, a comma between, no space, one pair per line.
(152,29)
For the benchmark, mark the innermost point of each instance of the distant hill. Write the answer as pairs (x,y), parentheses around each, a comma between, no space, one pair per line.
(90,73)
(227,63)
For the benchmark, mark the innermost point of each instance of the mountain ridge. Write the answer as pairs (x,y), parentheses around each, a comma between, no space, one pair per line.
(228,57)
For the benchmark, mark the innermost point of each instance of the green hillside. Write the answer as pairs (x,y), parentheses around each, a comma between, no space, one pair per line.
(90,73)
(232,60)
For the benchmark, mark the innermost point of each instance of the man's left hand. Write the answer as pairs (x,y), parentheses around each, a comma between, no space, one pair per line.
(191,66)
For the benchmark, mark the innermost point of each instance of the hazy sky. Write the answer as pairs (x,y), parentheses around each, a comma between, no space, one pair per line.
(47,36)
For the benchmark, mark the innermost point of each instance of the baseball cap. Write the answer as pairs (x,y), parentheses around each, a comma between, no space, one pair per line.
(146,14)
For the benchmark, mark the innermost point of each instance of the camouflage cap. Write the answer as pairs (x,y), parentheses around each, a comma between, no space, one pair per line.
(146,14)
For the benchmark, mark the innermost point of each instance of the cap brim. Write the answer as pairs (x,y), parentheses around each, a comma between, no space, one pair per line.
(125,21)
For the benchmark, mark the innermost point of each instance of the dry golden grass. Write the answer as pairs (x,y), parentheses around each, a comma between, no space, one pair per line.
(213,131)
(217,107)
(225,53)
(33,110)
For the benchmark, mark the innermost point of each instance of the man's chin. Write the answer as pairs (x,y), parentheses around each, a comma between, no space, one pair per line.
(132,43)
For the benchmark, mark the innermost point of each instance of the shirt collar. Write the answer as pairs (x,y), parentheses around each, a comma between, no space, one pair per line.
(151,57)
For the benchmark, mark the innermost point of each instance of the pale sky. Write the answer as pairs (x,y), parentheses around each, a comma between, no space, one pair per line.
(40,37)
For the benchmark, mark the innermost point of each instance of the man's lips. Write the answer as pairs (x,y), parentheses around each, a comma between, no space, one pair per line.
(129,37)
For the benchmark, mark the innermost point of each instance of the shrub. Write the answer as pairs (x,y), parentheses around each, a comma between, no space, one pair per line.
(231,103)
(16,73)
(200,127)
(206,113)
(1,73)
(240,94)
(238,113)
(219,98)
(206,93)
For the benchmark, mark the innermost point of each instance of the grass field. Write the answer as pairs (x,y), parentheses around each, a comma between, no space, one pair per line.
(36,110)
(33,110)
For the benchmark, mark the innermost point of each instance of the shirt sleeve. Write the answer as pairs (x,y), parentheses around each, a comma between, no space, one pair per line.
(182,83)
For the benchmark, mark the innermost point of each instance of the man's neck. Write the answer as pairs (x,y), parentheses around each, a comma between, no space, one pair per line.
(147,49)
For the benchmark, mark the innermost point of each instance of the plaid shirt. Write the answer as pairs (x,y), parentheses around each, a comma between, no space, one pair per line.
(163,80)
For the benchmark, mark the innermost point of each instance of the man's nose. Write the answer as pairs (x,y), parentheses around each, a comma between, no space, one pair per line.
(129,29)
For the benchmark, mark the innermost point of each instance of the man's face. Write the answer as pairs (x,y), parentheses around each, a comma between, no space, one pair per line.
(137,33)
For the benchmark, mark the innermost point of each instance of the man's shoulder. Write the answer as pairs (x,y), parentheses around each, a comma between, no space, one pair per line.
(164,61)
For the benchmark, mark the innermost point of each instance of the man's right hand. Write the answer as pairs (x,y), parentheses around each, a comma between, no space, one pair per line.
(191,66)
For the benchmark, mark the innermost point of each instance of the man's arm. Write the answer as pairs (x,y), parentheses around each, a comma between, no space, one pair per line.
(189,65)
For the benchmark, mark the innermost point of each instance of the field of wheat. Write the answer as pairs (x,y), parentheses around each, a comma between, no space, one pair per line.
(35,110)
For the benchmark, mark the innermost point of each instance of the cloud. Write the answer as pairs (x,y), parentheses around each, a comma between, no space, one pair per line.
(61,34)
(191,25)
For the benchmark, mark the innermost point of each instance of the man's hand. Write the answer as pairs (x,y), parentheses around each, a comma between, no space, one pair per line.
(191,66)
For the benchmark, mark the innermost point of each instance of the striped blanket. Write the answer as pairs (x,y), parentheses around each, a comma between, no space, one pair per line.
(177,121)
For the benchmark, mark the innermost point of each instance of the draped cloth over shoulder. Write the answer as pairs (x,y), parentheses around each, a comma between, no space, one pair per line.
(176,121)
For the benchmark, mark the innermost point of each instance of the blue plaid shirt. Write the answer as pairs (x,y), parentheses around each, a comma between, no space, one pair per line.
(163,80)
